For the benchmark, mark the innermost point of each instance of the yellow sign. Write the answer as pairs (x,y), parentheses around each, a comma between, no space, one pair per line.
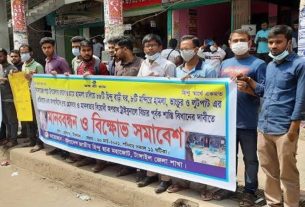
(22,98)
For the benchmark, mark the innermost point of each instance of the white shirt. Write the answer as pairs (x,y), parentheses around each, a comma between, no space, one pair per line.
(160,68)
(173,54)
(97,48)
(213,58)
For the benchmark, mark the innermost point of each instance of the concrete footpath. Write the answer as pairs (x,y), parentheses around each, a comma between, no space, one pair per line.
(122,191)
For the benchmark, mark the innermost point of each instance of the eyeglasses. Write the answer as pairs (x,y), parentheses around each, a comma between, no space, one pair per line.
(150,45)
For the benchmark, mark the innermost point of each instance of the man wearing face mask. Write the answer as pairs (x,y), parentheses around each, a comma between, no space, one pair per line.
(193,67)
(157,66)
(30,67)
(261,41)
(77,60)
(212,54)
(280,117)
(247,109)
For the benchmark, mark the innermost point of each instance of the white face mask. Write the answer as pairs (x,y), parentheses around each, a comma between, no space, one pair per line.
(213,48)
(279,57)
(75,52)
(240,48)
(187,55)
(153,57)
(25,57)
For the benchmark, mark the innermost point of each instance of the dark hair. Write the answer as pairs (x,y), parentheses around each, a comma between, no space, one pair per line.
(16,52)
(264,22)
(77,39)
(151,37)
(27,46)
(3,51)
(45,40)
(172,43)
(195,40)
(113,40)
(242,32)
(86,43)
(281,30)
(125,42)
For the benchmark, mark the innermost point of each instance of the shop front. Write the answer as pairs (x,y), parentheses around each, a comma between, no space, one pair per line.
(208,19)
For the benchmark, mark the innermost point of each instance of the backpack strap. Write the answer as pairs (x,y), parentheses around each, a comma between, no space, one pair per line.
(169,54)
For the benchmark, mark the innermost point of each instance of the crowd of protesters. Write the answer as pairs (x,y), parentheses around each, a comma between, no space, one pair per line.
(267,131)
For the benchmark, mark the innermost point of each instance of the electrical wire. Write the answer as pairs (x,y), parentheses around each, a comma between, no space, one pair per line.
(140,20)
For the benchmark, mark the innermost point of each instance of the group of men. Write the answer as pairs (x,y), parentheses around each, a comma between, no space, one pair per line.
(270,129)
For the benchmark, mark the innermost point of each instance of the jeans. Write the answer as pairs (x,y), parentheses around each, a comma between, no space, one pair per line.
(247,138)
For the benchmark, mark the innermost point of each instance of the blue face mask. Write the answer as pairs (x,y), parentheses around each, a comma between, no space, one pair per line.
(279,57)
(75,52)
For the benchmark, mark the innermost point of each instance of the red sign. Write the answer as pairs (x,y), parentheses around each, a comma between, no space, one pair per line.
(18,15)
(134,4)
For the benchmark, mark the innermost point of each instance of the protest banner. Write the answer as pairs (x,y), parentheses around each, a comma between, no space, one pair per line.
(22,97)
(184,129)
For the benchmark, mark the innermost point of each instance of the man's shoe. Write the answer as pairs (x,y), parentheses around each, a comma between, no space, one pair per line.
(10,144)
(141,174)
(36,148)
(3,142)
(99,166)
(84,162)
(147,180)
(247,200)
(163,186)
(126,171)
(53,152)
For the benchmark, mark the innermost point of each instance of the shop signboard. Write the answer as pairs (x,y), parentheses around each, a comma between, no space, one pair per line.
(135,4)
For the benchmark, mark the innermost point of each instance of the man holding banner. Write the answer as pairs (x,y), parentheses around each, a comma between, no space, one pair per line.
(280,117)
(30,67)
(9,114)
(247,109)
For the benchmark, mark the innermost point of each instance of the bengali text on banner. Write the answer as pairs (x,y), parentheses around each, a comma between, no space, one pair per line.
(185,129)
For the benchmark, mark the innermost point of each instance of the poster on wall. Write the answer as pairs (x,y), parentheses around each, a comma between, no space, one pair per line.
(184,129)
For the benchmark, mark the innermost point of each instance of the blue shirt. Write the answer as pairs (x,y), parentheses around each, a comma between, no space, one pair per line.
(262,46)
(247,105)
(284,97)
(202,70)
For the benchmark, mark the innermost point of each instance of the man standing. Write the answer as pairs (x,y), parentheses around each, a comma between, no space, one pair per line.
(247,109)
(295,36)
(114,61)
(97,48)
(171,53)
(54,63)
(212,54)
(193,67)
(30,67)
(129,66)
(261,41)
(16,59)
(280,117)
(156,66)
(75,41)
(9,115)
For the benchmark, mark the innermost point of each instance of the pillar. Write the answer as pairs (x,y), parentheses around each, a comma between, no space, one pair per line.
(240,13)
(4,34)
(113,16)
(20,33)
